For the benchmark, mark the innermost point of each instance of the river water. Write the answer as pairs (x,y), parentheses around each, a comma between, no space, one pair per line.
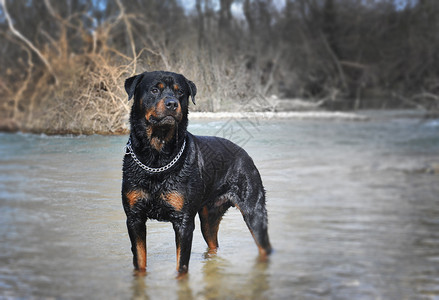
(353,214)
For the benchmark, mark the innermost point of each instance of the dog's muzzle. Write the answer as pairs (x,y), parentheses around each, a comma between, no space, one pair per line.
(166,112)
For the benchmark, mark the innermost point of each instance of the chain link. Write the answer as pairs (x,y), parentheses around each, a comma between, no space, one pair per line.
(149,169)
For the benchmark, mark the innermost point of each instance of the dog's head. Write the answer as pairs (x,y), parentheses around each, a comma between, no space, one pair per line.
(161,101)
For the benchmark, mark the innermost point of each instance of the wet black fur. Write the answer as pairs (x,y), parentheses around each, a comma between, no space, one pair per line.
(212,173)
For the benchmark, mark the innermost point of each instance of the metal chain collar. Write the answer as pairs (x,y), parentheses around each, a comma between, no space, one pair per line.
(129,150)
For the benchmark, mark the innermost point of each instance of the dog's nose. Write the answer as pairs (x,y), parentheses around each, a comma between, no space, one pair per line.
(171,103)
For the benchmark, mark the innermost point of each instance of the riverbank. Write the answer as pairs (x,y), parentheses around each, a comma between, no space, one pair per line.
(362,115)
(11,126)
(327,115)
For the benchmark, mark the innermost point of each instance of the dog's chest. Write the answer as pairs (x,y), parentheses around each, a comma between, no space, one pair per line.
(164,200)
(166,205)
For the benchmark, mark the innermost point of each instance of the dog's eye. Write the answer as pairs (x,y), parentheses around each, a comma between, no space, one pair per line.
(155,90)
(179,93)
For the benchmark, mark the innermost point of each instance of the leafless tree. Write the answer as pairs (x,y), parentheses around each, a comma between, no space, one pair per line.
(62,61)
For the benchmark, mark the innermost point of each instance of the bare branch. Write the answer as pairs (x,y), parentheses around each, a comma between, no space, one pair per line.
(26,41)
(335,60)
(124,17)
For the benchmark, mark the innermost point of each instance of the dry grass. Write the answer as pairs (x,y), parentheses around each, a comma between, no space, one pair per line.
(89,100)
(89,97)
(74,81)
(74,91)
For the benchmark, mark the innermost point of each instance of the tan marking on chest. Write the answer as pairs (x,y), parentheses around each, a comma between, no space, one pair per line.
(135,195)
(175,199)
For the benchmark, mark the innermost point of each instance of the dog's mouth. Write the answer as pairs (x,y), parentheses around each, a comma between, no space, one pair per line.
(166,121)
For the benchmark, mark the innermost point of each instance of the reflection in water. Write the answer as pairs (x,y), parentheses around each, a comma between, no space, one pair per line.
(353,214)
(139,288)
(219,284)
(184,289)
(214,280)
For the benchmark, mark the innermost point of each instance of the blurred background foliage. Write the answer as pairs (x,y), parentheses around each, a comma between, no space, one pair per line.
(63,63)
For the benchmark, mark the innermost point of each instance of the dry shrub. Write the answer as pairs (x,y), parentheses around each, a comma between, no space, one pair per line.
(70,83)
(69,78)
(89,99)
(224,83)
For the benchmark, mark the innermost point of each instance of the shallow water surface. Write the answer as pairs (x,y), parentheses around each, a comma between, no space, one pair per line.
(353,214)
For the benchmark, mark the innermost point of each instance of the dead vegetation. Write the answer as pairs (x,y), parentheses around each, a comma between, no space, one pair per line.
(64,63)
(77,91)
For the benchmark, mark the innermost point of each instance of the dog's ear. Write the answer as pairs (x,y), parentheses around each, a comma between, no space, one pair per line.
(192,90)
(130,85)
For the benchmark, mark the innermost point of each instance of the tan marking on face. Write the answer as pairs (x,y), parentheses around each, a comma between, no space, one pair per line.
(175,199)
(176,87)
(150,112)
(179,114)
(134,196)
(161,86)
(160,107)
(158,111)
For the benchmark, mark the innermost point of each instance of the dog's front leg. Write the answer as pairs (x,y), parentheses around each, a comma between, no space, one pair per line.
(183,239)
(134,201)
(137,231)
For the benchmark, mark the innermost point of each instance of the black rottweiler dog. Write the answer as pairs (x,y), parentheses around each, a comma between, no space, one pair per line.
(171,175)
